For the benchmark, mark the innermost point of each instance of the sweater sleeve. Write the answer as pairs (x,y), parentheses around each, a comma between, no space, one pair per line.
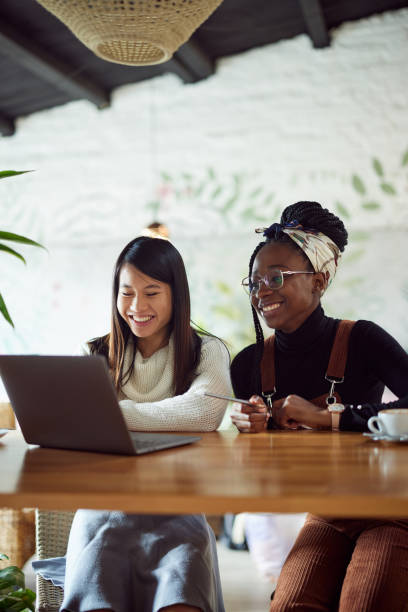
(389,363)
(355,418)
(191,411)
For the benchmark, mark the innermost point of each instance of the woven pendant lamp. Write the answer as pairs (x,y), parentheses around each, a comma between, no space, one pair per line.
(132,32)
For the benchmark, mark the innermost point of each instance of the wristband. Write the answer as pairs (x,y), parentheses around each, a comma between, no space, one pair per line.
(335,411)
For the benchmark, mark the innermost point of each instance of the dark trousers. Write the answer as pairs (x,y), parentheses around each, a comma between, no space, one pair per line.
(349,565)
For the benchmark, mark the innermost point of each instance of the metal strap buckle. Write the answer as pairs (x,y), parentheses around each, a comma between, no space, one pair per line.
(268,398)
(331,398)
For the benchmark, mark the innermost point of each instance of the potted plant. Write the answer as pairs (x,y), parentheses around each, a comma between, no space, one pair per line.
(14,597)
(10,237)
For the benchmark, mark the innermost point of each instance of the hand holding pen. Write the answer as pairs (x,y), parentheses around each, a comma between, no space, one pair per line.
(248,416)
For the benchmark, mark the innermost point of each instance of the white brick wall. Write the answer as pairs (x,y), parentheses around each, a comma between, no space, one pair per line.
(291,121)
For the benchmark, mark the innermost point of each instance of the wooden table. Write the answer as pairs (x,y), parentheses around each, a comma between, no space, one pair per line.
(333,474)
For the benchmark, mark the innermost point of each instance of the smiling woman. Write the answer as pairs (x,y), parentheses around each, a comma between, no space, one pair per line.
(161,368)
(150,310)
(321,373)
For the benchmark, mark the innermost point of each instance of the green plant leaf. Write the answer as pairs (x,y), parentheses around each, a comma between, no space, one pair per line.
(404,160)
(229,312)
(371,205)
(352,282)
(17,238)
(224,288)
(199,189)
(7,249)
(355,254)
(269,198)
(358,184)
(255,193)
(216,192)
(11,576)
(21,600)
(378,167)
(211,173)
(3,557)
(237,178)
(248,214)
(342,210)
(359,235)
(7,173)
(166,177)
(10,236)
(154,207)
(5,312)
(388,188)
(229,203)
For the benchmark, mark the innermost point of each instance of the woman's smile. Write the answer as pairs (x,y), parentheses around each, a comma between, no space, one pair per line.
(140,320)
(270,307)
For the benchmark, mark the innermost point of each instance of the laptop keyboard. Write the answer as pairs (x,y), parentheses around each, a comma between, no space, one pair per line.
(141,443)
(146,441)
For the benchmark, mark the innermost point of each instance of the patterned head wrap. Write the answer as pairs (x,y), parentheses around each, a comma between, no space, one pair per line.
(322,252)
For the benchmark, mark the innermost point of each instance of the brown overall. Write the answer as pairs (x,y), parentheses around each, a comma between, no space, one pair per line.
(344,565)
(334,374)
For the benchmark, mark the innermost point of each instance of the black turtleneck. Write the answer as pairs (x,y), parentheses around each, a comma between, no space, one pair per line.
(375,359)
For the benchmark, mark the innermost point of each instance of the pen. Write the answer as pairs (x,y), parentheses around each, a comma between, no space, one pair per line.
(230,399)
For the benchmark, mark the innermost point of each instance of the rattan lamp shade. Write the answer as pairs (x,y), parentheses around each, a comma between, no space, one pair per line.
(132,32)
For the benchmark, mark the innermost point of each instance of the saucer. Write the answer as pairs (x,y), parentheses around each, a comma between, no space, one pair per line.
(387,438)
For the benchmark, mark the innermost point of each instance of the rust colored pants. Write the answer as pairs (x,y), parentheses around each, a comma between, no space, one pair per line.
(349,565)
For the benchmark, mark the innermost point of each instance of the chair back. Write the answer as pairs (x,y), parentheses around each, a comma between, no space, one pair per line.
(52,532)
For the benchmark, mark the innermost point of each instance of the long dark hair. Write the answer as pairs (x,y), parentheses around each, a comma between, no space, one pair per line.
(160,260)
(311,215)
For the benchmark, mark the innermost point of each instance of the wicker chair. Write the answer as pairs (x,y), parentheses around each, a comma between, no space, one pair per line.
(52,531)
(17,537)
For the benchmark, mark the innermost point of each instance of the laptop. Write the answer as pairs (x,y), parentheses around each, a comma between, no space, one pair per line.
(70,402)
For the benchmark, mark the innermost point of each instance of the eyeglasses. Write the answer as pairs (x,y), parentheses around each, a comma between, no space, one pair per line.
(273,280)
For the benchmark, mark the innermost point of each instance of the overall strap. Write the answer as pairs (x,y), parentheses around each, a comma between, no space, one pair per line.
(337,360)
(268,366)
(338,355)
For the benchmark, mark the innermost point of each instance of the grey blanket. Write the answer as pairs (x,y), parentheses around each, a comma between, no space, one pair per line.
(137,562)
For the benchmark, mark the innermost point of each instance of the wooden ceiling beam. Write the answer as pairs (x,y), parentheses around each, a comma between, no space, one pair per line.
(196,60)
(177,67)
(190,63)
(35,59)
(7,126)
(314,19)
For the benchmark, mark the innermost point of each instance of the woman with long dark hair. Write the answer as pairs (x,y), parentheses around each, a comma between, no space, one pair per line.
(161,368)
(322,373)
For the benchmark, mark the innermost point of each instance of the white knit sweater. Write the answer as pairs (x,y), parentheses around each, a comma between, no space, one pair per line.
(146,399)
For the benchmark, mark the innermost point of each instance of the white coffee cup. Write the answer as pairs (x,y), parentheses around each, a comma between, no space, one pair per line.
(393,422)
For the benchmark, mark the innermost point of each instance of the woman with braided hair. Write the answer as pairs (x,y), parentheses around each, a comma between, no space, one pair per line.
(323,373)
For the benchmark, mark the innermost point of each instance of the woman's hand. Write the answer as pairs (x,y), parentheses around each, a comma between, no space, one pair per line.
(250,419)
(296,411)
